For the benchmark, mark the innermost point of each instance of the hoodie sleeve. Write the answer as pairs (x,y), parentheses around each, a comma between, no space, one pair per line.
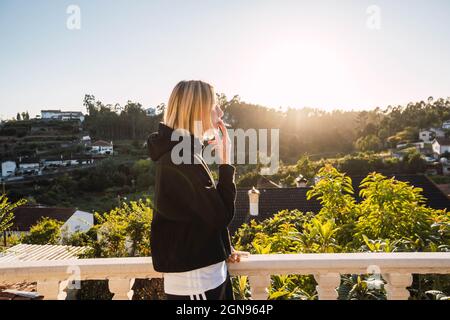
(226,240)
(195,194)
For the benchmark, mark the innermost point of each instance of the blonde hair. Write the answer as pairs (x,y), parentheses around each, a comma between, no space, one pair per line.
(189,102)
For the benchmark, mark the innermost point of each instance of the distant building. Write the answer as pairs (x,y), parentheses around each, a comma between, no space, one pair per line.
(74,220)
(62,115)
(29,166)
(57,162)
(430,134)
(86,140)
(438,132)
(446,125)
(60,162)
(441,146)
(418,145)
(151,112)
(427,136)
(8,168)
(102,147)
(301,181)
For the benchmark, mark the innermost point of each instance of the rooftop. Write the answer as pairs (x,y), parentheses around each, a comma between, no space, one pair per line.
(443,141)
(101,143)
(62,111)
(26,216)
(273,200)
(34,252)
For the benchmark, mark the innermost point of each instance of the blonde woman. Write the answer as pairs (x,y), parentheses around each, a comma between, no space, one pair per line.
(190,240)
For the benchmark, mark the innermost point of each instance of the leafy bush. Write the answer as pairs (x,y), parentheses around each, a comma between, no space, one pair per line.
(391,217)
(45,231)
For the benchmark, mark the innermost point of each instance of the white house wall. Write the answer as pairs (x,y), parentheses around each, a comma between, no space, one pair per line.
(8,168)
(436,147)
(80,221)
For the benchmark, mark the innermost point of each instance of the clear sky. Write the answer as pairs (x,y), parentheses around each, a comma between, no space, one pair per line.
(275,53)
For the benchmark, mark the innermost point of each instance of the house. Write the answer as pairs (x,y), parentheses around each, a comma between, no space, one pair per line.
(60,162)
(301,181)
(268,202)
(150,112)
(82,161)
(74,220)
(8,168)
(86,140)
(417,145)
(57,162)
(62,115)
(261,204)
(441,146)
(428,135)
(29,166)
(102,147)
(439,132)
(446,125)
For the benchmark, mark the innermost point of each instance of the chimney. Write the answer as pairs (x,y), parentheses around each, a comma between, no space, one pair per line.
(301,182)
(253,196)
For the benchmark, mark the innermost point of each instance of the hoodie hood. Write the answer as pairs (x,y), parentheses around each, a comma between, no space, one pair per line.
(159,143)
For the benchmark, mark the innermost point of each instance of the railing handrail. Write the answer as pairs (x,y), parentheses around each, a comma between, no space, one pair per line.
(142,267)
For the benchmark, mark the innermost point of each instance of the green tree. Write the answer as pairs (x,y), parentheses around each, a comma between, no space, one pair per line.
(7,212)
(414,163)
(45,231)
(369,143)
(143,171)
(124,231)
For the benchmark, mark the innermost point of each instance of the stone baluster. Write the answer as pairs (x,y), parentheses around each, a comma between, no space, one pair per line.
(121,288)
(327,284)
(52,289)
(396,284)
(259,286)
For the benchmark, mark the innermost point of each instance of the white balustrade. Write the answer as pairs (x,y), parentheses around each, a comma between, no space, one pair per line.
(326,285)
(121,288)
(397,268)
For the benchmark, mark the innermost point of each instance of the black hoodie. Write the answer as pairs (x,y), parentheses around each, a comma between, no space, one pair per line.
(192,214)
